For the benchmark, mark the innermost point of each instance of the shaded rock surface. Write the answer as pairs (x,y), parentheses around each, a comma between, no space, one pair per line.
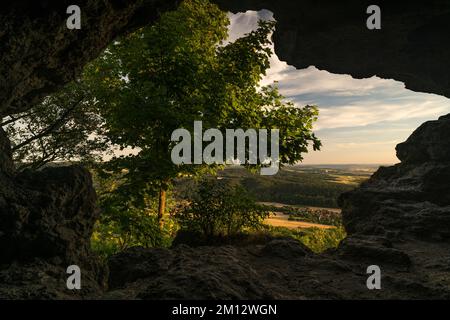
(412,198)
(281,269)
(38,54)
(428,143)
(46,279)
(49,213)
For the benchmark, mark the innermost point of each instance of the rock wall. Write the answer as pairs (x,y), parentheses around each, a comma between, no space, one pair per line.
(46,221)
(47,217)
(39,54)
(410,199)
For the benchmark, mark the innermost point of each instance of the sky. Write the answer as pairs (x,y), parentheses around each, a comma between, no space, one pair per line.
(360,120)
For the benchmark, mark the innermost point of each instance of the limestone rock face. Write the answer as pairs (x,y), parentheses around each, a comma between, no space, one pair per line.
(46,221)
(398,220)
(412,46)
(282,269)
(428,143)
(223,272)
(45,279)
(38,54)
(46,214)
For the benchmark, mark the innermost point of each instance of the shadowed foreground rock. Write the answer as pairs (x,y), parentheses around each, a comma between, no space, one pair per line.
(281,269)
(38,54)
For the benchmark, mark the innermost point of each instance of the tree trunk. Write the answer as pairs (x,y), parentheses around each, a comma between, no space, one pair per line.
(162,203)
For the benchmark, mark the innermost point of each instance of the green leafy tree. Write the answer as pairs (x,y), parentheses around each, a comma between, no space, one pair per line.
(166,76)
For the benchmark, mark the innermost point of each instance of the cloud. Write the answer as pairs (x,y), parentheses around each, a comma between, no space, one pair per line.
(347,102)
(361,120)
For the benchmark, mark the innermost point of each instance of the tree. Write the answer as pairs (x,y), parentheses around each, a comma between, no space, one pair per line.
(63,127)
(166,76)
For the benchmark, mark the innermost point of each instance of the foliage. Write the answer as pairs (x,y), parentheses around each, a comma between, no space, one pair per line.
(318,240)
(125,220)
(63,127)
(144,86)
(219,209)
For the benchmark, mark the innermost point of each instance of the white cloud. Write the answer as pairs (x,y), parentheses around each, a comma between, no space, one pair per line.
(383,108)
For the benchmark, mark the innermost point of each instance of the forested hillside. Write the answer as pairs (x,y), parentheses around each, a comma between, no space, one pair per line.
(297,185)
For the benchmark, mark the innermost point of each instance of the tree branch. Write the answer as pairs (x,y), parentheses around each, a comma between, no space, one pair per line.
(57,124)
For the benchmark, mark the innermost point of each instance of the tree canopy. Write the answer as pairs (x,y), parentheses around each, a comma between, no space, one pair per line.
(179,70)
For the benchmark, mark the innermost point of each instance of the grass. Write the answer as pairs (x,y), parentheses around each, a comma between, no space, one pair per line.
(318,240)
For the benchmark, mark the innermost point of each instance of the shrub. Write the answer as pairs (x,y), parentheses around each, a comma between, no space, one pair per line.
(220,209)
(321,216)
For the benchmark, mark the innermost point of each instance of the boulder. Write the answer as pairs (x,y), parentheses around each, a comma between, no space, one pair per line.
(411,198)
(429,142)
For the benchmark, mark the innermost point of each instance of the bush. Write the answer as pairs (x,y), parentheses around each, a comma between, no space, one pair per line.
(220,209)
(126,220)
(318,240)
